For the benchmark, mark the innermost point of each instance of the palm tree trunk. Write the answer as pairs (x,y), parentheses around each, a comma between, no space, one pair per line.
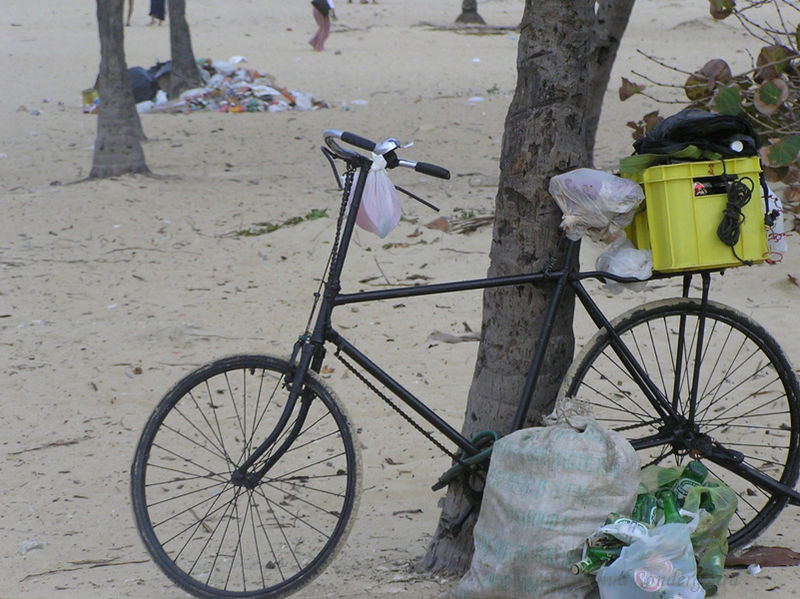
(185,73)
(117,147)
(469,13)
(547,132)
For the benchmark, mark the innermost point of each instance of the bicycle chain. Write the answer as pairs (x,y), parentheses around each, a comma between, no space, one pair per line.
(636,425)
(392,405)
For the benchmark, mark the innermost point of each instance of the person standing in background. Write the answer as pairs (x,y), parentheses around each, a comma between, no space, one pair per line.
(157,11)
(322,11)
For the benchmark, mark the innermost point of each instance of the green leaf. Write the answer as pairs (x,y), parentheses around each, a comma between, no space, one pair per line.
(784,151)
(728,100)
(696,87)
(721,9)
(773,61)
(769,97)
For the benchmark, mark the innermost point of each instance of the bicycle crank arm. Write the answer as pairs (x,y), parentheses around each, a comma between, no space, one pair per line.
(657,440)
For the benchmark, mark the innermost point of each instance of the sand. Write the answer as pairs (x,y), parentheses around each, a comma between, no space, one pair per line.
(113,290)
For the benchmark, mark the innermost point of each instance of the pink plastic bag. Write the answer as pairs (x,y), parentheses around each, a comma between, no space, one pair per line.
(380,209)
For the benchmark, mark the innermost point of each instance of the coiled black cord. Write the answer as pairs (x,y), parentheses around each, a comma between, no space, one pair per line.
(739,193)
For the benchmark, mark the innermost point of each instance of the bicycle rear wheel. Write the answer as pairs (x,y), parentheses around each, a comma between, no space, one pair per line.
(747,397)
(215,536)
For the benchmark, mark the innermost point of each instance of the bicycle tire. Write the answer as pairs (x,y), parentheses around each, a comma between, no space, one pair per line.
(215,538)
(746,390)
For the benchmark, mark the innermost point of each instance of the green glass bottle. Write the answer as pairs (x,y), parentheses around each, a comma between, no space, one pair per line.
(613,517)
(669,504)
(707,503)
(596,557)
(604,554)
(586,566)
(644,510)
(693,475)
(624,529)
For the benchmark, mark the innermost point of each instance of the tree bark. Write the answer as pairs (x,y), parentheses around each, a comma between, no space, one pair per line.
(185,73)
(610,23)
(549,130)
(469,13)
(117,148)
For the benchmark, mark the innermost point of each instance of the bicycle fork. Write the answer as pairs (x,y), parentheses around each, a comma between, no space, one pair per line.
(251,479)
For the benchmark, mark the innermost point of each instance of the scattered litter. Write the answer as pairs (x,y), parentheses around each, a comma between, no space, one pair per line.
(476,60)
(29,545)
(440,223)
(449,338)
(753,569)
(474,99)
(228,88)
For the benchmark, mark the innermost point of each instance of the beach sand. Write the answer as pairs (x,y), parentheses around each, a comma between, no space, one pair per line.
(113,290)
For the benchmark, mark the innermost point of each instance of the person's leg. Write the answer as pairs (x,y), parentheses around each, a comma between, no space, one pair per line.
(130,12)
(316,40)
(326,30)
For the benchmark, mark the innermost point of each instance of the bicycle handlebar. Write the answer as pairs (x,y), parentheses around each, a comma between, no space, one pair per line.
(386,147)
(357,141)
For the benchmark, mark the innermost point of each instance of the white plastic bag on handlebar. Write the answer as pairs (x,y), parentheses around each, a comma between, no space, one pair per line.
(595,203)
(380,209)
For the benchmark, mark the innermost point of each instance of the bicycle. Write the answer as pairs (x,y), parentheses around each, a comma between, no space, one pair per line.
(247,474)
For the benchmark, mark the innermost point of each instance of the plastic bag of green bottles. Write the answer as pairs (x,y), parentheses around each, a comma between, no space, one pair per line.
(685,495)
(712,501)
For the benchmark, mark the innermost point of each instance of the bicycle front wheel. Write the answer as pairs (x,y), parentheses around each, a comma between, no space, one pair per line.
(746,396)
(215,535)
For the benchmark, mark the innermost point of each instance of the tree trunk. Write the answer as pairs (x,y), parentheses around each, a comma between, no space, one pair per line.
(548,130)
(610,23)
(185,73)
(469,13)
(117,148)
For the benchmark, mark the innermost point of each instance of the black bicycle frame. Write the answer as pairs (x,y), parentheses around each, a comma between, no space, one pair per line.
(310,351)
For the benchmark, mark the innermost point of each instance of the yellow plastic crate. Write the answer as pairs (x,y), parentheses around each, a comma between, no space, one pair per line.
(680,228)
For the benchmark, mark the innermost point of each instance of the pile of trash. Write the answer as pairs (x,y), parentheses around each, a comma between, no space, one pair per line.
(675,541)
(228,87)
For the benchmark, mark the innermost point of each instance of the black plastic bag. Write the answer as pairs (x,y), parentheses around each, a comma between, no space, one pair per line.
(716,133)
(143,85)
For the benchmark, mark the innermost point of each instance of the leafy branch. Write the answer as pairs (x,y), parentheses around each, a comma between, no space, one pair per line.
(767,95)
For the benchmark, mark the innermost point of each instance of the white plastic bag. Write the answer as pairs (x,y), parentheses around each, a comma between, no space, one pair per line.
(546,490)
(659,565)
(776,238)
(595,203)
(624,260)
(380,208)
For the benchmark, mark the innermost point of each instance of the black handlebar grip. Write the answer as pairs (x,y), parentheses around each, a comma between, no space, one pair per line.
(431,169)
(358,141)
